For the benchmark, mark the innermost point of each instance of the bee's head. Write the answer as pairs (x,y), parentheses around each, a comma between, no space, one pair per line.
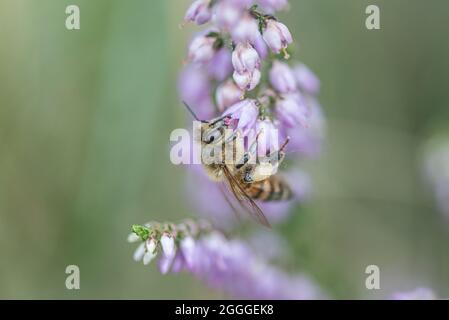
(214,130)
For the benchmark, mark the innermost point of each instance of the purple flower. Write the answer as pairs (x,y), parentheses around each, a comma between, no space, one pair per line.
(220,66)
(247,80)
(308,140)
(271,6)
(193,85)
(260,46)
(187,247)
(277,36)
(228,94)
(199,12)
(284,105)
(246,62)
(201,49)
(178,263)
(168,245)
(246,30)
(150,251)
(282,78)
(194,88)
(292,110)
(232,266)
(246,112)
(164,263)
(245,58)
(226,15)
(306,79)
(268,137)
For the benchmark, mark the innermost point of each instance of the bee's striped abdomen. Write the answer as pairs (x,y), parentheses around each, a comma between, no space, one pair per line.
(271,189)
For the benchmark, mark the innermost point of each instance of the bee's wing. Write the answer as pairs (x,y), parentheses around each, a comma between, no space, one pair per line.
(225,192)
(243,199)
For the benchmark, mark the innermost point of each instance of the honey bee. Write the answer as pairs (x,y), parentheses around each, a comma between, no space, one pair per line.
(248,176)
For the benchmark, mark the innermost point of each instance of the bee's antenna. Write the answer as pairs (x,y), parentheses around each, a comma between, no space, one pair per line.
(284,144)
(191,111)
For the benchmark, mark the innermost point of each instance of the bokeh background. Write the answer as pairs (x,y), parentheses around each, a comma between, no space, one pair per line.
(85,118)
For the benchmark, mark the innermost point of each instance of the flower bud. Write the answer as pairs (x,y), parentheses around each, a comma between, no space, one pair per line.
(188,250)
(306,79)
(292,110)
(226,15)
(199,12)
(195,89)
(248,80)
(246,30)
(139,253)
(227,94)
(220,66)
(277,36)
(178,263)
(164,264)
(150,245)
(246,112)
(245,58)
(268,139)
(260,46)
(201,49)
(309,141)
(148,257)
(168,245)
(282,78)
(132,237)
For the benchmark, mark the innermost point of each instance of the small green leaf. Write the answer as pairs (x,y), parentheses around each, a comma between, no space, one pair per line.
(141,231)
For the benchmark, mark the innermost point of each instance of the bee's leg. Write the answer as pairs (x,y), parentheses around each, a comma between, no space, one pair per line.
(265,166)
(250,153)
(248,170)
(233,136)
(233,147)
(279,155)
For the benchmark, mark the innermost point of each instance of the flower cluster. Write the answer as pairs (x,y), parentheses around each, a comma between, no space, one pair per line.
(228,265)
(174,242)
(238,67)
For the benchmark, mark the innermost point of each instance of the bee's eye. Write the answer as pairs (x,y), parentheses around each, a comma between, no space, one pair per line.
(212,136)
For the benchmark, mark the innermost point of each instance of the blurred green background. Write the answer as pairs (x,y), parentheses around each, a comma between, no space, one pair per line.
(85,118)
